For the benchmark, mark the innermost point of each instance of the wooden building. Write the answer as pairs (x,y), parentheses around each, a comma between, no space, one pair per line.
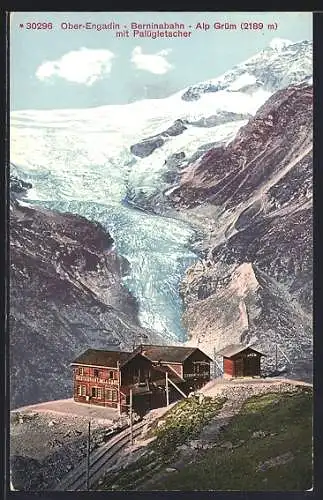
(189,364)
(105,377)
(241,361)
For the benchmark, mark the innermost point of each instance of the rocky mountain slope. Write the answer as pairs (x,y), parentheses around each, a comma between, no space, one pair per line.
(214,111)
(66,294)
(254,200)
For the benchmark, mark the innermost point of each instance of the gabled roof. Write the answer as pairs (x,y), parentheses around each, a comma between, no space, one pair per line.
(167,353)
(100,357)
(233,349)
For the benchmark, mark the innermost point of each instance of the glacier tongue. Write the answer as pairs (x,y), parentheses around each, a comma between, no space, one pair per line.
(158,250)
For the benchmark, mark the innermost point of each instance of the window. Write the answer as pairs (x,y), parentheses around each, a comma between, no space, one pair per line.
(96,392)
(96,372)
(111,375)
(114,396)
(83,390)
(109,395)
(79,390)
(201,367)
(81,370)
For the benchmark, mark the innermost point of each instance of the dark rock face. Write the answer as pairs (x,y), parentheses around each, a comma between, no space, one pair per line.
(147,146)
(254,199)
(174,163)
(194,93)
(18,186)
(220,118)
(176,129)
(66,295)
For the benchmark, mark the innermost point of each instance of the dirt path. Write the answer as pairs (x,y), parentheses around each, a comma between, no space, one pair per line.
(215,386)
(70,408)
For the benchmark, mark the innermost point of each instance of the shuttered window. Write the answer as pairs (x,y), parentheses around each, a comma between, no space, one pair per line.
(114,396)
(83,390)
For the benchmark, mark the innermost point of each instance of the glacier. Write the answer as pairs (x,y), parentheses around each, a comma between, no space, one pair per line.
(79,160)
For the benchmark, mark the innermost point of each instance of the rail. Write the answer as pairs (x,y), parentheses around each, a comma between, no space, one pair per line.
(101,460)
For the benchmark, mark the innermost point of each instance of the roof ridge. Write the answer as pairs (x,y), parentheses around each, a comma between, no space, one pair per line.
(107,350)
(174,346)
(233,349)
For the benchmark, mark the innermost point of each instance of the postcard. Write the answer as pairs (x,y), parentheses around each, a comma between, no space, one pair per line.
(161,251)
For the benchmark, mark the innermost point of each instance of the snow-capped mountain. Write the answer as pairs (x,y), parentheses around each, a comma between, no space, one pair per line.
(281,64)
(86,161)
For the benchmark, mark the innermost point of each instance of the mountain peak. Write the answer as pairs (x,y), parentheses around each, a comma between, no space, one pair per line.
(281,64)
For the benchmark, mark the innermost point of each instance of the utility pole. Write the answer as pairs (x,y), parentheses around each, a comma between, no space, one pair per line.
(88,457)
(88,452)
(167,391)
(130,411)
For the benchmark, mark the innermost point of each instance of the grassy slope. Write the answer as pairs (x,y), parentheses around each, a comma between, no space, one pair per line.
(287,420)
(182,423)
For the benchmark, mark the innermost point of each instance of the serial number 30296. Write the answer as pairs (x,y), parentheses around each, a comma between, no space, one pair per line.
(39,26)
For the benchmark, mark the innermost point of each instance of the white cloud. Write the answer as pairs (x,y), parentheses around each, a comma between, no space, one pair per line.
(79,66)
(154,63)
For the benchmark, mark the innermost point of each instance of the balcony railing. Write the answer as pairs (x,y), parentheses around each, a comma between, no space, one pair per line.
(196,375)
(97,380)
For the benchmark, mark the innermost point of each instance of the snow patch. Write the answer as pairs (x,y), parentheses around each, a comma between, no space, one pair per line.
(243,81)
(279,43)
(24,204)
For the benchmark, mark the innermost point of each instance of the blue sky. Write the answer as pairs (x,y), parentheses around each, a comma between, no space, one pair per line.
(58,68)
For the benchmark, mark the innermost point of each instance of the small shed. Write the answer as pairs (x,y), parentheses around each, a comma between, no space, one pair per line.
(241,361)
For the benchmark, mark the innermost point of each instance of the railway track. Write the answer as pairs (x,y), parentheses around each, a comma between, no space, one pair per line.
(101,460)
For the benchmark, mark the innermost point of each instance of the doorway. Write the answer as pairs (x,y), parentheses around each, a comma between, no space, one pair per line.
(239,367)
(251,367)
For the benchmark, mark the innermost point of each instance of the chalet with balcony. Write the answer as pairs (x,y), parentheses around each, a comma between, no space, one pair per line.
(105,377)
(190,365)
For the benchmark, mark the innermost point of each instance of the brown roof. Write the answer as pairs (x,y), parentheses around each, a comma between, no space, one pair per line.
(100,357)
(233,349)
(172,354)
